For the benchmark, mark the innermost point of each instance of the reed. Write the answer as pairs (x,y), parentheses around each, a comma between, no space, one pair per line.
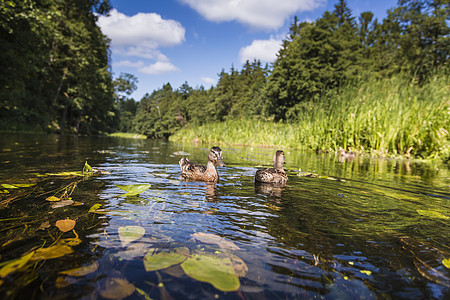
(383,117)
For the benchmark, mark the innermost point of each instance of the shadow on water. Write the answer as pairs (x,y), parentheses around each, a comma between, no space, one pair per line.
(339,229)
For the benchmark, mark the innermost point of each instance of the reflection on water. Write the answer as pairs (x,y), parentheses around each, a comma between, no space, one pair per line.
(339,229)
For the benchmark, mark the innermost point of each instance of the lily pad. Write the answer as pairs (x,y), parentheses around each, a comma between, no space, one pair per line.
(133,189)
(81,271)
(208,268)
(65,225)
(209,238)
(117,288)
(130,234)
(432,214)
(157,261)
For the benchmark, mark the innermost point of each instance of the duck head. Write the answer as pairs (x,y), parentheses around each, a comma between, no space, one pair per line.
(215,156)
(279,160)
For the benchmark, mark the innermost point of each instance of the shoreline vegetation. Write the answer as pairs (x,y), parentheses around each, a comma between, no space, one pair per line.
(346,81)
(392,117)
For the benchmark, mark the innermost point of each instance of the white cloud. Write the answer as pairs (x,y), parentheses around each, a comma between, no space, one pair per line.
(209,80)
(159,67)
(127,63)
(142,35)
(263,50)
(263,14)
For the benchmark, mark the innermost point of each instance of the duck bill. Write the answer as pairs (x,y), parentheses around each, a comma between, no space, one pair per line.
(220,163)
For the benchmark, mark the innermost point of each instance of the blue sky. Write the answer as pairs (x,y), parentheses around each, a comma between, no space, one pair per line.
(161,41)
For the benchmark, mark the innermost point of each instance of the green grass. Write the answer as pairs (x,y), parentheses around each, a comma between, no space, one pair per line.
(382,117)
(128,135)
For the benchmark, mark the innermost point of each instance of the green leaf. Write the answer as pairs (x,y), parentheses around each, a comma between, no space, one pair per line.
(162,260)
(133,189)
(94,207)
(128,234)
(446,262)
(432,214)
(15,264)
(9,186)
(87,168)
(217,271)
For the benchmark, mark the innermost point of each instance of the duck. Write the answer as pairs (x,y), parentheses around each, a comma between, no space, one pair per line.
(275,174)
(343,155)
(208,173)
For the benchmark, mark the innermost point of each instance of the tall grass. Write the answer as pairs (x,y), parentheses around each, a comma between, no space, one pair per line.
(386,117)
(128,135)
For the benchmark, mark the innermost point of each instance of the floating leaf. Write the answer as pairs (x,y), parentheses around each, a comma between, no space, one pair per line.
(129,234)
(94,207)
(65,225)
(432,214)
(162,260)
(44,225)
(367,272)
(134,189)
(81,271)
(217,271)
(62,203)
(15,264)
(52,198)
(117,288)
(209,238)
(446,262)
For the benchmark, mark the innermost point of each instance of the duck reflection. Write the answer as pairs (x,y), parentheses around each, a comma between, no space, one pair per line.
(270,189)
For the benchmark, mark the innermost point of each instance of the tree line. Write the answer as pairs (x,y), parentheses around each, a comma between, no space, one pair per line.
(57,76)
(55,67)
(316,59)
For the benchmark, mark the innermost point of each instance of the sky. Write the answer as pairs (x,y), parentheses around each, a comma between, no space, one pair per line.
(177,41)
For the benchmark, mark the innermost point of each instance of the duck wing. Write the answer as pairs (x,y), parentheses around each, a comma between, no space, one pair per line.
(188,167)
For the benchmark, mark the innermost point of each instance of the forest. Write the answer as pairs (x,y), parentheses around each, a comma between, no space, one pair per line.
(347,81)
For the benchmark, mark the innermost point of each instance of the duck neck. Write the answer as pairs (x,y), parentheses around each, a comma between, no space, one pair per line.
(211,167)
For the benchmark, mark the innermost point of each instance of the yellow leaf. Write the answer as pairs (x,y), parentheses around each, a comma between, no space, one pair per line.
(52,198)
(51,252)
(15,264)
(65,225)
(81,271)
(117,288)
(446,262)
(366,272)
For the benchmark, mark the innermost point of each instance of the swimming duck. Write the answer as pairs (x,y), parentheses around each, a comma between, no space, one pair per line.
(343,155)
(192,171)
(275,174)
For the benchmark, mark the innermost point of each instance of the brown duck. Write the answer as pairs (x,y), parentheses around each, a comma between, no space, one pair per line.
(192,171)
(275,174)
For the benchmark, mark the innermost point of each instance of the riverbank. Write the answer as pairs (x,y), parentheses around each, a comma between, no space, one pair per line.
(381,117)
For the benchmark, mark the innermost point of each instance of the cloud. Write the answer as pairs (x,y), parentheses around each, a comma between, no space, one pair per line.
(158,68)
(261,14)
(142,35)
(209,80)
(263,50)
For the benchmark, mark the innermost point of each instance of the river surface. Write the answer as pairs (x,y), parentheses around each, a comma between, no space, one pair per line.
(359,228)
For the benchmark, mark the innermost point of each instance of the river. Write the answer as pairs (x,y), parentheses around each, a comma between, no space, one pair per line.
(360,228)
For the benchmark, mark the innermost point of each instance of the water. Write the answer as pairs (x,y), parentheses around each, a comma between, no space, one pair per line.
(356,229)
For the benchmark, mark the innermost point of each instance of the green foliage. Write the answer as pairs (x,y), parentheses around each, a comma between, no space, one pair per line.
(392,116)
(55,67)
